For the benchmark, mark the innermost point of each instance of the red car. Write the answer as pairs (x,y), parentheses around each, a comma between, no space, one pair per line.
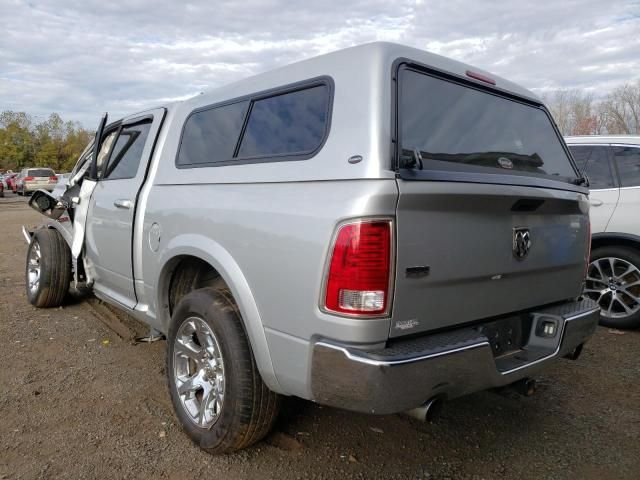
(10,180)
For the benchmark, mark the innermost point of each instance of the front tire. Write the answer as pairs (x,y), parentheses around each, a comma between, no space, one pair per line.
(48,269)
(214,383)
(613,280)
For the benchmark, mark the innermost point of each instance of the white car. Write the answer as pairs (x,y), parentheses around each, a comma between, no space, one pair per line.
(612,164)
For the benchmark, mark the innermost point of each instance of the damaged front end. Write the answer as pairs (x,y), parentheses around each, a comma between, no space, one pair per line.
(67,213)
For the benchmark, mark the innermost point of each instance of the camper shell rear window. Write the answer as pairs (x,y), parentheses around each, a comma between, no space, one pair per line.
(449,125)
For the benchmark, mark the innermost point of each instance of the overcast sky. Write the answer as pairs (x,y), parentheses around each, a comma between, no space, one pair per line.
(82,57)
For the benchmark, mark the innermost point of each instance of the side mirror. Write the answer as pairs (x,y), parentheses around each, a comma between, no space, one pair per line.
(45,203)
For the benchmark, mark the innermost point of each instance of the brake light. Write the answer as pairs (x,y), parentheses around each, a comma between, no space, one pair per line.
(360,268)
(481,77)
(53,178)
(28,179)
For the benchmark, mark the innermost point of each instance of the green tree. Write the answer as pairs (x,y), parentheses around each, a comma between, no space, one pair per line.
(17,148)
(51,143)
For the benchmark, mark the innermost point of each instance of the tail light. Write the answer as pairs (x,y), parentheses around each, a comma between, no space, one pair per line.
(359,274)
(53,178)
(27,179)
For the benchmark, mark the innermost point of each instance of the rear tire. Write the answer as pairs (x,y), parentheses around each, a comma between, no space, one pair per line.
(607,284)
(48,269)
(218,419)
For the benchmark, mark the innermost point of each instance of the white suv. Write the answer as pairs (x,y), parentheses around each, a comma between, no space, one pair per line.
(612,164)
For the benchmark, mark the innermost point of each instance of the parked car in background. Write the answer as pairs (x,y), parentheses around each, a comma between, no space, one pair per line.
(61,186)
(9,180)
(612,164)
(31,179)
(17,181)
(266,230)
(2,184)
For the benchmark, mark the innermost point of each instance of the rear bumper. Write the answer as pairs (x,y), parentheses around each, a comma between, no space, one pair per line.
(32,187)
(408,373)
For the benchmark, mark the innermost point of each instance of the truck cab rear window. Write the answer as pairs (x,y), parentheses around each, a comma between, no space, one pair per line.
(455,127)
(288,124)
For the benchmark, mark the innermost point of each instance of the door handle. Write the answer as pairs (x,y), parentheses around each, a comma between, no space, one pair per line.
(595,202)
(123,203)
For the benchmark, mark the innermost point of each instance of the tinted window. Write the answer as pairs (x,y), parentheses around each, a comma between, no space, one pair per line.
(594,161)
(127,152)
(628,162)
(293,122)
(461,128)
(211,135)
(40,172)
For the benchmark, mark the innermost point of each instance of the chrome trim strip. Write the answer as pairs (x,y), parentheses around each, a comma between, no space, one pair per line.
(381,363)
(557,350)
(26,234)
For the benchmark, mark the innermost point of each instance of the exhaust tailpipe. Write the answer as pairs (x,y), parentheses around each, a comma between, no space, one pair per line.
(428,412)
(526,387)
(575,353)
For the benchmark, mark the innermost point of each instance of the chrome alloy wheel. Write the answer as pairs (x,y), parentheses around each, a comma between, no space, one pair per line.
(198,372)
(615,284)
(33,268)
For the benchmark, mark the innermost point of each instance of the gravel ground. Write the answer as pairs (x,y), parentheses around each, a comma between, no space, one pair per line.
(79,401)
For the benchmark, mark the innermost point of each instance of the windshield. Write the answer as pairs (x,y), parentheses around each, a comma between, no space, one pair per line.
(447,125)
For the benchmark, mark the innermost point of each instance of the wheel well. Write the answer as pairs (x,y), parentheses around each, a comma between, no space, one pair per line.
(615,241)
(187,274)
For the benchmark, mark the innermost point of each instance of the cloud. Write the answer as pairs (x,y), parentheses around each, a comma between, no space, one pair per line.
(82,57)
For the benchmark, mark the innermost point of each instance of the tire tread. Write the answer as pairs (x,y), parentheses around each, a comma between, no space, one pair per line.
(55,269)
(256,407)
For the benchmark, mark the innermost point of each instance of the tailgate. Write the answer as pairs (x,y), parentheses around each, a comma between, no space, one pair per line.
(456,259)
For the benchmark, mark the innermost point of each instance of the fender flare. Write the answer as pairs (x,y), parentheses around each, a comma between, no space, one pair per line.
(207,250)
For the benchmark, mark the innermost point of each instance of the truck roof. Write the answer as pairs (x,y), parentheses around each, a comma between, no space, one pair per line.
(366,61)
(369,59)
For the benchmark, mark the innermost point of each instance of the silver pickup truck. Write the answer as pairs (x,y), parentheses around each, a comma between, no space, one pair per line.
(377,229)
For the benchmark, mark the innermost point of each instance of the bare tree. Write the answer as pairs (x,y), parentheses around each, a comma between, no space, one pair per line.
(621,109)
(557,104)
(574,112)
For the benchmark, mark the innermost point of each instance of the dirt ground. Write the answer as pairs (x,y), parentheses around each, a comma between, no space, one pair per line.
(79,401)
